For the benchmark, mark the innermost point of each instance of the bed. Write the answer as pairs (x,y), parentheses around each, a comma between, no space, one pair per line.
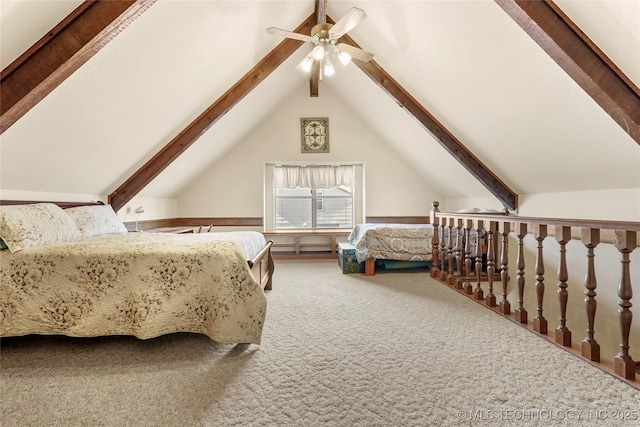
(78,272)
(397,242)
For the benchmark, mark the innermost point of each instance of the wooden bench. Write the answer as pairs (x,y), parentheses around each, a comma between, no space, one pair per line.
(297,240)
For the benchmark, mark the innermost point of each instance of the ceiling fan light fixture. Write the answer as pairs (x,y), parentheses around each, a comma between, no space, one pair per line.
(306,64)
(328,69)
(344,58)
(318,52)
(324,36)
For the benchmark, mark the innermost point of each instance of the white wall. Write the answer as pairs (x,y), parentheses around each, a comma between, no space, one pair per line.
(154,208)
(614,205)
(233,186)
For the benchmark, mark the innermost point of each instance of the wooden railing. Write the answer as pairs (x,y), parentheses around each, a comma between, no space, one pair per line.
(459,260)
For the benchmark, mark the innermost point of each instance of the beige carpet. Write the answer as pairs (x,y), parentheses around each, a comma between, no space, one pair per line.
(396,349)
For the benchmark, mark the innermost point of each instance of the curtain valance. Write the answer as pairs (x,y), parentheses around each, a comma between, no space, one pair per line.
(313,176)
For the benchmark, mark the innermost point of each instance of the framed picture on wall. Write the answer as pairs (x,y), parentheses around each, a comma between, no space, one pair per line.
(315,134)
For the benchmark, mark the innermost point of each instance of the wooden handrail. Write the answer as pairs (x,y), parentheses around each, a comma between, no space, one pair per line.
(607,227)
(491,230)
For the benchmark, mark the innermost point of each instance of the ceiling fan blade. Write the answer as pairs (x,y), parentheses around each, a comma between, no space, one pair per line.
(289,34)
(347,22)
(356,53)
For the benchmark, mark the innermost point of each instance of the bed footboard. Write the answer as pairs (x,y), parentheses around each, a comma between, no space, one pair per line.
(262,267)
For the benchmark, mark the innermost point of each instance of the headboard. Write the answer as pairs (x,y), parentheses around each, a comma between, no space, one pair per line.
(63,205)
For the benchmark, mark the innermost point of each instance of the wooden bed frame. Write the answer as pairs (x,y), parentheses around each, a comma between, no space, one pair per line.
(261,266)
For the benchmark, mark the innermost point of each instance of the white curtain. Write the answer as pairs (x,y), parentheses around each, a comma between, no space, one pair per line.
(313,176)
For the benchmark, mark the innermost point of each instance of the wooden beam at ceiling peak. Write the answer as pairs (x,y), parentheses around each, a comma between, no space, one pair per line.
(71,43)
(314,79)
(580,58)
(441,134)
(208,118)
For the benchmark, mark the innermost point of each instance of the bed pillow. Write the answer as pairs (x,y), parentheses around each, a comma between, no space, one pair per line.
(478,210)
(25,226)
(96,220)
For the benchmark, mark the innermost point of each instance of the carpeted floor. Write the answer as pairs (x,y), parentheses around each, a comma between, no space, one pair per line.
(395,349)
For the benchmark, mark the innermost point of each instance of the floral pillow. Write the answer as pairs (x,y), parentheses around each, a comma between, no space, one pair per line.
(25,226)
(96,220)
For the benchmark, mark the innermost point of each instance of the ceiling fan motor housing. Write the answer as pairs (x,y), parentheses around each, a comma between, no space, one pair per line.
(320,33)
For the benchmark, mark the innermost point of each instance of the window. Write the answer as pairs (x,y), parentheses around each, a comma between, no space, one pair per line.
(333,208)
(310,196)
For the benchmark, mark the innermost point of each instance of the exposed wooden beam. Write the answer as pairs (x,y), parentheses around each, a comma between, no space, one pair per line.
(579,57)
(450,143)
(46,64)
(209,117)
(314,80)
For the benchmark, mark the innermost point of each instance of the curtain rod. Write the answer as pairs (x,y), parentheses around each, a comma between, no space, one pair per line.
(313,164)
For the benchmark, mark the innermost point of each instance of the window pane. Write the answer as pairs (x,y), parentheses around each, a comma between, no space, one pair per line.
(293,192)
(319,200)
(333,208)
(293,213)
(337,213)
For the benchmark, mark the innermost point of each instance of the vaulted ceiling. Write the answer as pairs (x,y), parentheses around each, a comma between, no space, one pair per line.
(479,68)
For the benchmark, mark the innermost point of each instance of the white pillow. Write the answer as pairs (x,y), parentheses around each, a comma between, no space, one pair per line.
(96,220)
(478,210)
(25,226)
(468,210)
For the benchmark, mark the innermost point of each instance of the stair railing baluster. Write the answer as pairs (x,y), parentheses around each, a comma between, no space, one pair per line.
(590,347)
(504,228)
(625,242)
(478,293)
(539,322)
(562,333)
(468,287)
(435,220)
(521,312)
(490,299)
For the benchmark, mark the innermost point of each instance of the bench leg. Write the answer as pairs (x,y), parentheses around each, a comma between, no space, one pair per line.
(369,267)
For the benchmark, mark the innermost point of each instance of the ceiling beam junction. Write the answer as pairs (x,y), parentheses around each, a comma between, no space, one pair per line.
(53,58)
(315,67)
(580,58)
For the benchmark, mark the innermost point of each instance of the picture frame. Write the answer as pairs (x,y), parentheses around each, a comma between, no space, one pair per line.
(314,133)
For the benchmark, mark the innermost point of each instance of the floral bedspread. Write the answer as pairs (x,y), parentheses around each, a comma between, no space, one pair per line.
(402,242)
(141,284)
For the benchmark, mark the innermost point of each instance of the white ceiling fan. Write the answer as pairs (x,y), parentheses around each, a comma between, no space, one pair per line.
(326,48)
